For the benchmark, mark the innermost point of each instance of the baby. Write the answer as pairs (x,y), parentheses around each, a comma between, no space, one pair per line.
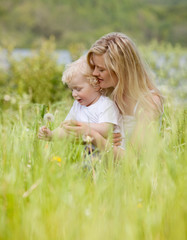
(90,107)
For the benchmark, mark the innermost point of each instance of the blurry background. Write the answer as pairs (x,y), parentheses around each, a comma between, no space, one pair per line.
(24,23)
(43,35)
(47,190)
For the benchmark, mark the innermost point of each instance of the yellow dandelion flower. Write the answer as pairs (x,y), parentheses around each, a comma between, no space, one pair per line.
(139,205)
(56,158)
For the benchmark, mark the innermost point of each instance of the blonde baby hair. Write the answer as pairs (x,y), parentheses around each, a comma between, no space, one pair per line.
(134,76)
(79,66)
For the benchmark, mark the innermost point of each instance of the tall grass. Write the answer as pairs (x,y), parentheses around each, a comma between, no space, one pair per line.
(47,190)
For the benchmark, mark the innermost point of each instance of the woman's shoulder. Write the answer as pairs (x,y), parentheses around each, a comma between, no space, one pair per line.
(151,105)
(156,99)
(156,102)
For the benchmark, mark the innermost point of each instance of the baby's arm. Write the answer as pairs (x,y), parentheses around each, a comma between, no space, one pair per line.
(59,133)
(103,128)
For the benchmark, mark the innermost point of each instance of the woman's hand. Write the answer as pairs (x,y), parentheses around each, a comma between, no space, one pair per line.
(117,139)
(45,133)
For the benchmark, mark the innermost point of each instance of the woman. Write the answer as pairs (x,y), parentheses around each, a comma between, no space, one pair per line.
(123,76)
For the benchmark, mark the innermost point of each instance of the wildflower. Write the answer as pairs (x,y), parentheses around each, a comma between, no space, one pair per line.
(139,205)
(56,158)
(7,98)
(48,117)
(87,138)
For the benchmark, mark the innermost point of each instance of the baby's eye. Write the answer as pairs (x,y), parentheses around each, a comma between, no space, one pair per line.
(78,89)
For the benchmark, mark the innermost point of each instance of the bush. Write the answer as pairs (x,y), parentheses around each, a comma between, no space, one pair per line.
(38,76)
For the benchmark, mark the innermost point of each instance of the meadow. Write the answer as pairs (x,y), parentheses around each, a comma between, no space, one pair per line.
(48,189)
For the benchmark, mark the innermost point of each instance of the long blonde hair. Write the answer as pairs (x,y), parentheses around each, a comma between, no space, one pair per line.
(134,77)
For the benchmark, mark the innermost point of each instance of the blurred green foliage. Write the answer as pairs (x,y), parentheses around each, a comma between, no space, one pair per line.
(24,23)
(36,78)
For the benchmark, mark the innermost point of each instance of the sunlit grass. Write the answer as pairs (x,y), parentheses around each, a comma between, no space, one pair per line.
(46,191)
(50,191)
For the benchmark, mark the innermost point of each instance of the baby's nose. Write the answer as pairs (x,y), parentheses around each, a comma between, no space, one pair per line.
(74,93)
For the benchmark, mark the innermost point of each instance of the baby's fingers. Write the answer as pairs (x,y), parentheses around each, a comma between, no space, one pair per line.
(41,136)
(117,144)
(41,129)
(70,123)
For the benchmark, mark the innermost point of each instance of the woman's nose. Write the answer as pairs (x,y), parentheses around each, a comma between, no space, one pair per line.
(95,72)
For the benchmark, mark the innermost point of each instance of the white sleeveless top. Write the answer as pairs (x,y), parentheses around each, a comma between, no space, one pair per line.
(129,122)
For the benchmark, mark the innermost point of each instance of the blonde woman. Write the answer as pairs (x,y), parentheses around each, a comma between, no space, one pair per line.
(126,79)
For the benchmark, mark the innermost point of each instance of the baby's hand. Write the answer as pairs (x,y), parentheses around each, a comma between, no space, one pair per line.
(68,123)
(45,133)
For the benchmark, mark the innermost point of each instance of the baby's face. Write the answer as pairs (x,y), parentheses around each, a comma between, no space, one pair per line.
(83,92)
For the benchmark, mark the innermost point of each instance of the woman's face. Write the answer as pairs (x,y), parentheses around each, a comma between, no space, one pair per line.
(106,79)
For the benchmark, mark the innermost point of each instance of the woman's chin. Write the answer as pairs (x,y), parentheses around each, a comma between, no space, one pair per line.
(103,85)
